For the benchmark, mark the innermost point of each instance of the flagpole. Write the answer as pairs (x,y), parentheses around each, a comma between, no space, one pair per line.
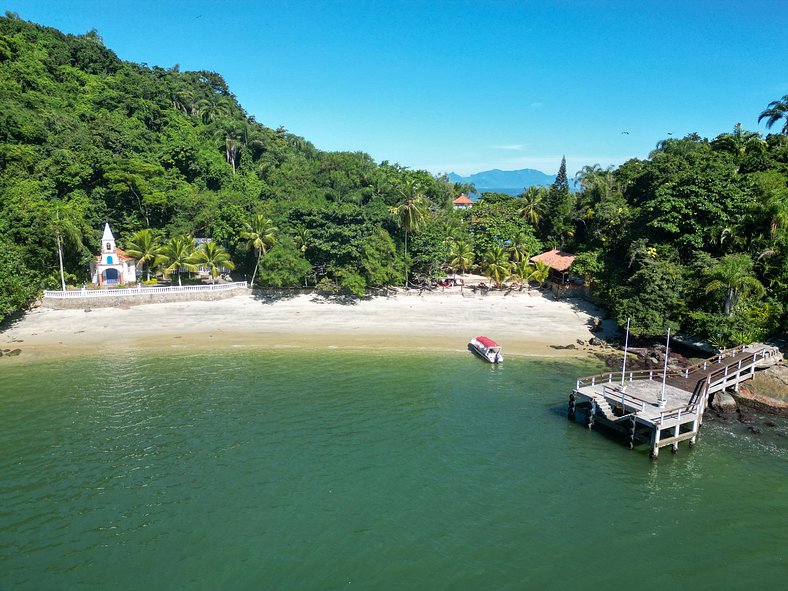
(662,400)
(626,345)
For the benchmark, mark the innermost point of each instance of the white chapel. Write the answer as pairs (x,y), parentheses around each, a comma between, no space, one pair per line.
(112,266)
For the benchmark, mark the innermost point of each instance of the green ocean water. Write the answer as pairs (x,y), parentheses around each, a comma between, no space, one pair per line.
(329,470)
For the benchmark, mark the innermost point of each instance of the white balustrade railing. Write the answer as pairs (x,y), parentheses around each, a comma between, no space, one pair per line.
(139,290)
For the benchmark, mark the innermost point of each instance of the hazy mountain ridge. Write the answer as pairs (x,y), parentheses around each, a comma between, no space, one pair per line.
(505,179)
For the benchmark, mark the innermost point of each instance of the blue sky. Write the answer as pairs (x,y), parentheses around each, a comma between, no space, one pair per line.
(465,86)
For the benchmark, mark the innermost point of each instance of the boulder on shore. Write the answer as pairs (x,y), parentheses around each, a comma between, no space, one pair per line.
(723,403)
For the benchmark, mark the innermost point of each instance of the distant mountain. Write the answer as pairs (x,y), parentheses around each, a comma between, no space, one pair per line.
(505,181)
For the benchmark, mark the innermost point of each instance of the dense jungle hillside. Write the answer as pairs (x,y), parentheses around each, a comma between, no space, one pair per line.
(695,237)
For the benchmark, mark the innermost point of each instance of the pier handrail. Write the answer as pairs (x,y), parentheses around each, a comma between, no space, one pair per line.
(675,413)
(621,396)
(649,374)
(615,376)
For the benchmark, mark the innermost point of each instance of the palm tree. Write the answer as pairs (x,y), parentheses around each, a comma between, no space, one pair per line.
(540,273)
(259,236)
(233,133)
(739,143)
(462,255)
(733,275)
(521,272)
(774,112)
(518,247)
(496,265)
(66,232)
(532,204)
(210,110)
(410,216)
(215,257)
(302,238)
(773,201)
(144,247)
(177,255)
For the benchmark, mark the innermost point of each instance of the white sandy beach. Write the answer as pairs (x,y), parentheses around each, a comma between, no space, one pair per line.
(524,323)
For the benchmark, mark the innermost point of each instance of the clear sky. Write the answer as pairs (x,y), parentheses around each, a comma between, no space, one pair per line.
(465,86)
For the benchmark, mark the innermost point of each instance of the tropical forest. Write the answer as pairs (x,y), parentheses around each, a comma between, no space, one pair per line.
(693,238)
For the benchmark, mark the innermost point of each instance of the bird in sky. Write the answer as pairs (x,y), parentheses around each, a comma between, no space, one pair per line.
(624,133)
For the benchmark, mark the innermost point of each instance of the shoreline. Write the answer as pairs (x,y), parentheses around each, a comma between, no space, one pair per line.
(526,324)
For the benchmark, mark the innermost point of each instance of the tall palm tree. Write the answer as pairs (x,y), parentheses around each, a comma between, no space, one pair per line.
(518,247)
(521,272)
(144,247)
(233,134)
(66,233)
(215,257)
(462,255)
(540,272)
(773,201)
(410,216)
(532,204)
(302,238)
(210,109)
(177,255)
(260,235)
(739,143)
(733,275)
(776,111)
(496,265)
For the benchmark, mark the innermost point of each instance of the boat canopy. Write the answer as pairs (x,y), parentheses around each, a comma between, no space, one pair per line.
(487,342)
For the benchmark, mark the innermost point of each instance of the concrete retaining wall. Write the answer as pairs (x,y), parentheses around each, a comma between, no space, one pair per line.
(139,299)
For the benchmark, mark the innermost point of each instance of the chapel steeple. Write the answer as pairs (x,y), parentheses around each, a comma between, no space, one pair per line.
(107,240)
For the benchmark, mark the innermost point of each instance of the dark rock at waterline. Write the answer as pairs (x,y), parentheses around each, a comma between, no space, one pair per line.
(723,403)
(596,342)
(755,430)
(572,346)
(14,353)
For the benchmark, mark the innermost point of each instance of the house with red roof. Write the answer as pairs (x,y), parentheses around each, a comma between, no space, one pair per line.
(112,266)
(462,202)
(559,263)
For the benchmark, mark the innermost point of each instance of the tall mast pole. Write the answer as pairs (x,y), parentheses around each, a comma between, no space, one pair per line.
(626,346)
(662,400)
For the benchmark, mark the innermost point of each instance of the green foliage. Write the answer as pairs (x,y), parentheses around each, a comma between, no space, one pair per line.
(587,264)
(178,255)
(86,138)
(497,220)
(284,265)
(378,260)
(496,265)
(18,285)
(654,296)
(559,207)
(213,256)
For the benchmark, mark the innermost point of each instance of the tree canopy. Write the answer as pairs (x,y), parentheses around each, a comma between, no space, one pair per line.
(694,237)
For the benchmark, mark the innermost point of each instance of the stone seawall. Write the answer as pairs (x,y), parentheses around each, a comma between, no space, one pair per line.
(139,299)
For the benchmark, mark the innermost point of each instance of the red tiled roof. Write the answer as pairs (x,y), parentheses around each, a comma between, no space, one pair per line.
(121,255)
(462,200)
(555,259)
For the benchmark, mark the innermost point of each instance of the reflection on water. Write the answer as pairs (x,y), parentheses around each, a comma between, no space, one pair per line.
(319,470)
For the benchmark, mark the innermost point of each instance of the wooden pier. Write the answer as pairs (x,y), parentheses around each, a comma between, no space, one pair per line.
(642,408)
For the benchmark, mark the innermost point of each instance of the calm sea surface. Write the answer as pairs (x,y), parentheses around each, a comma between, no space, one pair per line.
(334,470)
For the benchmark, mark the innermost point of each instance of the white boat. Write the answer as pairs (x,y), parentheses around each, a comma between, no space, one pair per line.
(487,349)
